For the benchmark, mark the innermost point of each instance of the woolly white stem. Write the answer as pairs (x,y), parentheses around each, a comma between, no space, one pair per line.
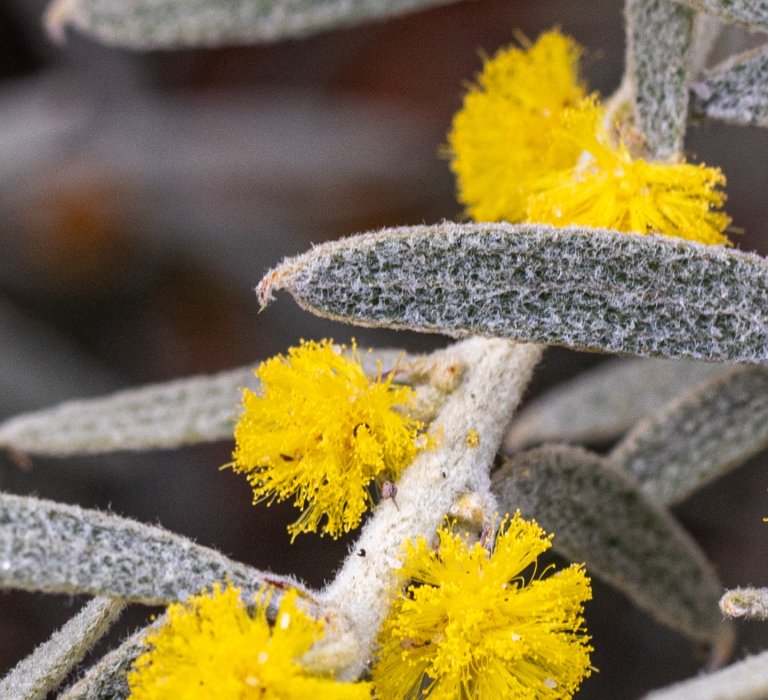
(745,680)
(468,432)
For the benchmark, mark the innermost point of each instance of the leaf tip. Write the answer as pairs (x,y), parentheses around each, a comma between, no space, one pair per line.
(275,279)
(265,289)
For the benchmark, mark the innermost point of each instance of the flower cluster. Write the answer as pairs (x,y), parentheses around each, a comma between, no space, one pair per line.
(215,647)
(321,431)
(530,145)
(468,625)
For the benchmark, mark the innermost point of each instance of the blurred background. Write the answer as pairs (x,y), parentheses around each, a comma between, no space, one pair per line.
(143,196)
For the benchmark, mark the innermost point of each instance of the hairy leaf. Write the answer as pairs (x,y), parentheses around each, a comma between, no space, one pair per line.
(658,41)
(744,680)
(752,13)
(56,548)
(600,516)
(583,288)
(42,671)
(735,91)
(715,427)
(106,678)
(602,403)
(180,412)
(170,24)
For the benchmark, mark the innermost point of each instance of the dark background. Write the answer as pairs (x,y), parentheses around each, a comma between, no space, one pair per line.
(142,197)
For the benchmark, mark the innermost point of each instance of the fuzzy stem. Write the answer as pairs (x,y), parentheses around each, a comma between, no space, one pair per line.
(745,680)
(497,372)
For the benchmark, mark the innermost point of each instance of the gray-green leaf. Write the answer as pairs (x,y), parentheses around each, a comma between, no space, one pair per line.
(181,412)
(57,548)
(600,516)
(106,678)
(170,24)
(735,91)
(715,427)
(602,403)
(658,41)
(42,671)
(583,288)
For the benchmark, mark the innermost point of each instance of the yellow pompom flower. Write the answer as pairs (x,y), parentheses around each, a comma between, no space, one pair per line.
(529,145)
(470,626)
(217,648)
(321,431)
(500,139)
(607,188)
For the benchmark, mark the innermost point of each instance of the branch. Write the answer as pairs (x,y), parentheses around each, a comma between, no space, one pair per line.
(495,376)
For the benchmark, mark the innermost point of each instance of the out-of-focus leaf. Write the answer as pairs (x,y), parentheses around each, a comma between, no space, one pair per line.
(583,288)
(715,427)
(170,24)
(735,91)
(744,680)
(752,13)
(40,366)
(602,403)
(658,42)
(45,668)
(38,119)
(600,516)
(56,548)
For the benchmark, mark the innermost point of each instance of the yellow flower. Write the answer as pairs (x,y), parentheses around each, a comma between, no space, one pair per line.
(607,188)
(500,139)
(469,626)
(214,647)
(321,431)
(528,145)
